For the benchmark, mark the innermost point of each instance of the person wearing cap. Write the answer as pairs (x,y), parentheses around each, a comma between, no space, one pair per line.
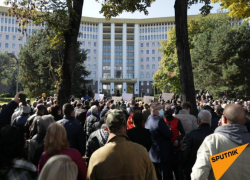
(120,158)
(161,151)
(40,109)
(22,119)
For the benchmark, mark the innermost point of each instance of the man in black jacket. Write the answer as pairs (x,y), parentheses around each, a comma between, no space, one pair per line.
(73,128)
(90,121)
(193,140)
(106,109)
(139,134)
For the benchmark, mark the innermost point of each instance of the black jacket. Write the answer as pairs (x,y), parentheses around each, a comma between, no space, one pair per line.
(75,133)
(89,123)
(96,140)
(97,125)
(104,111)
(6,113)
(21,120)
(36,148)
(191,144)
(141,136)
(214,121)
(80,115)
(57,117)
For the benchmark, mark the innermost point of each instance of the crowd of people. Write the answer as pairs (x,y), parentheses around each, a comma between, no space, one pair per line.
(102,139)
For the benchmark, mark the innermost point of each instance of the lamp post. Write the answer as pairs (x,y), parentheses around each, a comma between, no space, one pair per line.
(14,57)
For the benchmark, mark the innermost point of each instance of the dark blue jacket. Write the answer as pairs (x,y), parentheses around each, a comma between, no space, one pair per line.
(162,149)
(21,120)
(75,133)
(6,113)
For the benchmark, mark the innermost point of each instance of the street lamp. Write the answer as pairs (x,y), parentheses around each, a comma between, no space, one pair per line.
(14,57)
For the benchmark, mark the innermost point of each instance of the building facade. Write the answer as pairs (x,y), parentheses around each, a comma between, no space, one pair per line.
(122,54)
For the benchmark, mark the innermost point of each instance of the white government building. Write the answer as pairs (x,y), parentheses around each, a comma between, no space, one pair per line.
(122,54)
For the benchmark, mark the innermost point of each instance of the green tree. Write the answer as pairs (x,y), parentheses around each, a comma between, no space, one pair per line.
(7,66)
(41,65)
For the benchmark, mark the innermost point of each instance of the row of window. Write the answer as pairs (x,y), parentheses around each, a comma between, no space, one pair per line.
(153,59)
(87,36)
(117,47)
(89,58)
(89,43)
(14,37)
(6,45)
(154,37)
(160,29)
(147,51)
(147,66)
(129,75)
(12,21)
(94,66)
(147,75)
(89,51)
(142,83)
(90,29)
(118,54)
(153,44)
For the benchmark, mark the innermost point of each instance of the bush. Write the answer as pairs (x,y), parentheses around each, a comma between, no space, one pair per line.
(5,95)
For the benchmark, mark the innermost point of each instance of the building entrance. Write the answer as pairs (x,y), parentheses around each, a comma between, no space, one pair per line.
(106,88)
(118,89)
(130,88)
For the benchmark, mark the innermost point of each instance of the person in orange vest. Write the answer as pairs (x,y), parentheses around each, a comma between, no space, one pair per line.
(130,123)
(178,135)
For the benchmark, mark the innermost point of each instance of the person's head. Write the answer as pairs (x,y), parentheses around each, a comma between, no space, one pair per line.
(28,101)
(137,119)
(204,117)
(156,109)
(167,106)
(169,114)
(40,109)
(59,167)
(146,105)
(94,109)
(108,103)
(68,109)
(177,109)
(187,106)
(55,110)
(116,121)
(25,109)
(233,114)
(34,103)
(12,143)
(132,103)
(55,139)
(136,109)
(43,123)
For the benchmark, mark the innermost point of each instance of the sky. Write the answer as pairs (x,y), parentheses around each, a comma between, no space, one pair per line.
(159,8)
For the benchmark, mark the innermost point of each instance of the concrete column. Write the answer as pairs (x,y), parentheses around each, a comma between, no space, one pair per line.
(124,52)
(99,56)
(112,51)
(112,88)
(124,87)
(136,58)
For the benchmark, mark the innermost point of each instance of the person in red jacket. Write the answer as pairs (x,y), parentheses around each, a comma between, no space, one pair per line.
(178,135)
(130,123)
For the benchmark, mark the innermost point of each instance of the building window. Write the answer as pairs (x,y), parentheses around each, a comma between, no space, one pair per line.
(94,76)
(130,47)
(14,37)
(88,58)
(94,66)
(106,61)
(147,44)
(83,43)
(94,51)
(153,44)
(106,75)
(7,37)
(130,75)
(20,46)
(142,75)
(88,66)
(118,47)
(106,67)
(141,44)
(141,51)
(106,47)
(118,53)
(130,54)
(13,46)
(153,59)
(147,58)
(0,36)
(141,59)
(142,67)
(2,20)
(153,51)
(159,44)
(131,61)
(130,68)
(95,44)
(147,75)
(147,51)
(147,83)
(89,43)
(142,83)
(153,66)
(159,58)
(147,66)
(118,68)
(94,58)
(118,61)
(6,45)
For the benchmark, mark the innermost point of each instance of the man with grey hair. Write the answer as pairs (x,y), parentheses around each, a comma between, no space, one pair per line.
(36,147)
(90,121)
(193,140)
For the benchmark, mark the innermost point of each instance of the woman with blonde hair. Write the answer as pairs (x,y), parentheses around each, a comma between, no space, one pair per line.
(59,167)
(56,143)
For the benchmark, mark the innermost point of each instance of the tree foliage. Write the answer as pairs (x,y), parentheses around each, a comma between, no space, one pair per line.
(41,62)
(237,8)
(7,66)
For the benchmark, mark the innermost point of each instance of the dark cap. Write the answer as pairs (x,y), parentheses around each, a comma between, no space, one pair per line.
(40,107)
(115,120)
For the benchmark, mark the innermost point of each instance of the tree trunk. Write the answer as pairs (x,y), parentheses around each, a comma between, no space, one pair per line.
(183,52)
(75,15)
